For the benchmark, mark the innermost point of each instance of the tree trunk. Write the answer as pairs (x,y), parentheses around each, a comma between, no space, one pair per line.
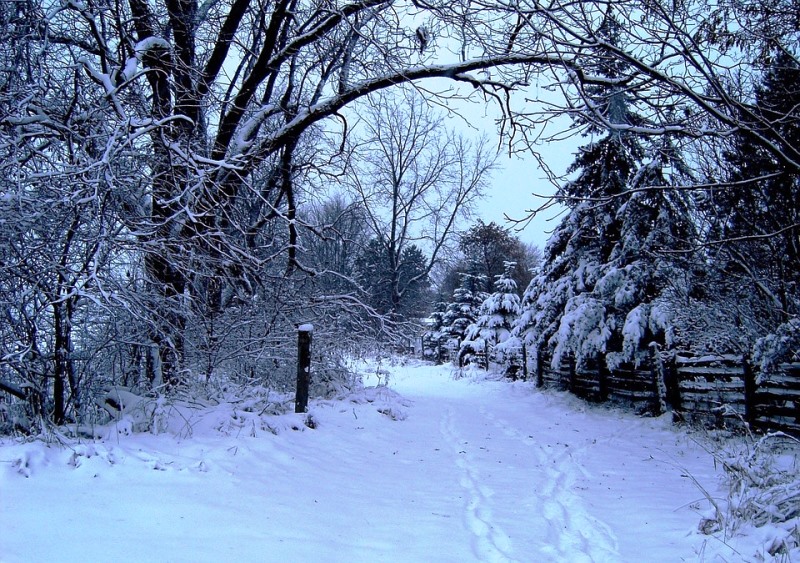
(60,361)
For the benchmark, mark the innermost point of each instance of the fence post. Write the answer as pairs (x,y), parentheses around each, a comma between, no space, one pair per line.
(659,387)
(303,367)
(673,385)
(524,362)
(486,354)
(602,379)
(572,373)
(539,368)
(749,391)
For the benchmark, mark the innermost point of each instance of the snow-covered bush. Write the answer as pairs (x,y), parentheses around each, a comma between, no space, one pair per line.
(783,345)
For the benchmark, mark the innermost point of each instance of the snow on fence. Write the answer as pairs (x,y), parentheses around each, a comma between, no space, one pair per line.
(629,385)
(777,398)
(712,390)
(707,389)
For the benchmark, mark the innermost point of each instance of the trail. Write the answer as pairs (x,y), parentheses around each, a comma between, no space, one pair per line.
(520,499)
(485,471)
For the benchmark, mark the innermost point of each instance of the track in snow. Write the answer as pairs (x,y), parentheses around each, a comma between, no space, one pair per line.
(554,525)
(477,471)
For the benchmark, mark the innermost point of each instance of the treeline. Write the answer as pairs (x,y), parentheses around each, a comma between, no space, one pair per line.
(690,252)
(168,171)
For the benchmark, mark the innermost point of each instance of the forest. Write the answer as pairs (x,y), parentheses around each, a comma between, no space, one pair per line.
(184,183)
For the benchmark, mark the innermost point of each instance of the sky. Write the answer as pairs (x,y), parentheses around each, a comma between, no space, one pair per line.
(518,183)
(517,186)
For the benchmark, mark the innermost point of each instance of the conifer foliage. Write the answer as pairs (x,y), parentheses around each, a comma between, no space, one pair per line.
(496,316)
(759,216)
(599,290)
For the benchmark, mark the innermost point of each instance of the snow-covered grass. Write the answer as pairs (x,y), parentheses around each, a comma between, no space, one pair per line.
(417,466)
(762,482)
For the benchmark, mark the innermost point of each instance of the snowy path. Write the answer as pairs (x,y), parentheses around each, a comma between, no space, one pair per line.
(479,471)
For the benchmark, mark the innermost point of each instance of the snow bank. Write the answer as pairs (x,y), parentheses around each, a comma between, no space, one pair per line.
(426,468)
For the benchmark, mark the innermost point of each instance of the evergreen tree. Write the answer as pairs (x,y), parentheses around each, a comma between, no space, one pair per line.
(462,311)
(487,248)
(495,316)
(498,311)
(601,287)
(400,291)
(758,217)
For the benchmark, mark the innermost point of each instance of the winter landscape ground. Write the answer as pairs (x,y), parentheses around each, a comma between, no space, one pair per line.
(424,468)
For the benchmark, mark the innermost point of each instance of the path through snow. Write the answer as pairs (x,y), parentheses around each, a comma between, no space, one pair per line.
(478,471)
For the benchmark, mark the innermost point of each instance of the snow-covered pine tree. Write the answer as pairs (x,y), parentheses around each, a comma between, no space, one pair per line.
(597,293)
(434,338)
(495,319)
(462,311)
(646,266)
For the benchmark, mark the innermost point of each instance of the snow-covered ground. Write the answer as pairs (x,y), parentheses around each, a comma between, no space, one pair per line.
(427,469)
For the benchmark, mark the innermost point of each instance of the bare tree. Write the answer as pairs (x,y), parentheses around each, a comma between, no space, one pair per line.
(197,121)
(414,179)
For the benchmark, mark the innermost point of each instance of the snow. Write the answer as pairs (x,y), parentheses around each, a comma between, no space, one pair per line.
(150,43)
(428,468)
(131,66)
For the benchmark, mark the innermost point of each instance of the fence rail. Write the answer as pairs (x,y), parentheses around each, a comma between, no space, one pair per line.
(712,390)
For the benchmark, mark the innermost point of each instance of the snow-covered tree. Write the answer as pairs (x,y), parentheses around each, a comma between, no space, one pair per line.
(195,129)
(757,216)
(495,316)
(414,179)
(464,308)
(599,289)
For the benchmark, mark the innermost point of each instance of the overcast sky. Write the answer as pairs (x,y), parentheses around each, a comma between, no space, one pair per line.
(511,192)
(517,178)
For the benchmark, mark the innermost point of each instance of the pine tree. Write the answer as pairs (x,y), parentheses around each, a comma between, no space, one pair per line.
(398,291)
(462,311)
(496,316)
(759,217)
(600,289)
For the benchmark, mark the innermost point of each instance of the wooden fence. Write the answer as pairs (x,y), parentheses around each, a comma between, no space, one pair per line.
(711,390)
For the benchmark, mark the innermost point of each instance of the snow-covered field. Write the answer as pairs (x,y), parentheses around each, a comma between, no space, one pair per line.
(427,469)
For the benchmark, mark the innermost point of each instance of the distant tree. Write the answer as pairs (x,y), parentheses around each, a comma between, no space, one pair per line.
(414,180)
(487,248)
(398,292)
(484,249)
(336,234)
(496,316)
(463,308)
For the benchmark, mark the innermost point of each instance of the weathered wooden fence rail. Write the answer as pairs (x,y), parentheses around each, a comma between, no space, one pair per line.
(711,390)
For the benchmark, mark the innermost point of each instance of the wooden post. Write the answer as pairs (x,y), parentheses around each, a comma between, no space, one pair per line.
(303,366)
(749,391)
(524,362)
(572,373)
(602,379)
(672,383)
(486,354)
(539,369)
(657,373)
